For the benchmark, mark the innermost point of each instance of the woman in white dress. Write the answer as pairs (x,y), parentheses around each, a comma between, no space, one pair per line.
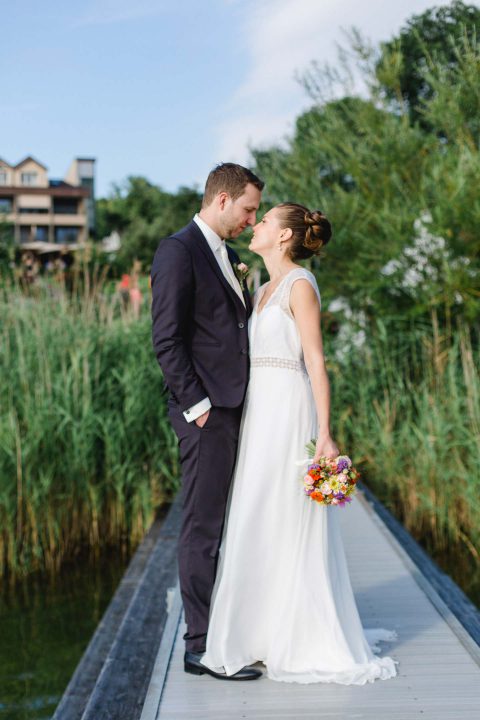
(282,594)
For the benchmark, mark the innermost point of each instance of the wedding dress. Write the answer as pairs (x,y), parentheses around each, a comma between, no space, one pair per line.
(282,593)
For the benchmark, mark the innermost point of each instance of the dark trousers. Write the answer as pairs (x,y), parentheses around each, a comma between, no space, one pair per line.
(207,457)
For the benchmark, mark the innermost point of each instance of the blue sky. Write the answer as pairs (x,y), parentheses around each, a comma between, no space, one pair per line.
(161,88)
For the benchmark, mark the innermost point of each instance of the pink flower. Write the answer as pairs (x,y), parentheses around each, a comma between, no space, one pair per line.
(242,267)
(308,479)
(325,488)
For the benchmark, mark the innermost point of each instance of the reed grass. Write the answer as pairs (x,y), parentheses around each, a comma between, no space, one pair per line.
(86,449)
(87,453)
(409,410)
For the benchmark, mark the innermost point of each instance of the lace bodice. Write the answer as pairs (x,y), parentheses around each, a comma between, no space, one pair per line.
(273,332)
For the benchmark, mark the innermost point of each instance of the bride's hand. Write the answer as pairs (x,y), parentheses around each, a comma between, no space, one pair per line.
(325,447)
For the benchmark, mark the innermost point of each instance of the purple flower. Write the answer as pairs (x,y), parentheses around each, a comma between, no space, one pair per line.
(342,465)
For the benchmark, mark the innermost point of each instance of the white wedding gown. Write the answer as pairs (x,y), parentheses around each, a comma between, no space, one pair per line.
(282,594)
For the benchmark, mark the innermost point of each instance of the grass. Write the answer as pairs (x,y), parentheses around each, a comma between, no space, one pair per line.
(86,449)
(87,453)
(408,409)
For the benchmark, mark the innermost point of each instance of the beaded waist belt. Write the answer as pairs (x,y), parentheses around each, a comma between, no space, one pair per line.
(298,365)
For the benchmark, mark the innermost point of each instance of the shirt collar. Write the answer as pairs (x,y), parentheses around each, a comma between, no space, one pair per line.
(214,240)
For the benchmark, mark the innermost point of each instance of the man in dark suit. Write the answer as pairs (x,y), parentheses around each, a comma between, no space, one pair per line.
(200,314)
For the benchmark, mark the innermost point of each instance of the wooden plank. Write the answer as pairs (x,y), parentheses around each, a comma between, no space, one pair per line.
(122,685)
(433,653)
(83,681)
(445,588)
(159,673)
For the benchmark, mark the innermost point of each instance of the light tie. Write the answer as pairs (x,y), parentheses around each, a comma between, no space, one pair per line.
(229,274)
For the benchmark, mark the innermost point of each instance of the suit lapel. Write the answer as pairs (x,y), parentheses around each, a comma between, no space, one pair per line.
(207,251)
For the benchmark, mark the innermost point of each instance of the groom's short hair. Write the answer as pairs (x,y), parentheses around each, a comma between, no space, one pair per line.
(230,178)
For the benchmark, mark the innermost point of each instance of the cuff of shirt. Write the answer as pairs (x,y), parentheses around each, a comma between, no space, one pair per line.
(196,410)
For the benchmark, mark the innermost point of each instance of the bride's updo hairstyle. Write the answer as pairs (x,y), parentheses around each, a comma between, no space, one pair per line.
(311,230)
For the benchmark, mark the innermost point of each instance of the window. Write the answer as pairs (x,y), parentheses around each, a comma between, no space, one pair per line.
(25,234)
(3,177)
(66,235)
(5,205)
(65,207)
(41,233)
(29,178)
(32,233)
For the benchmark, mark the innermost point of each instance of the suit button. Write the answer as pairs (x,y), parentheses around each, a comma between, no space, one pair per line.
(244,352)
(241,325)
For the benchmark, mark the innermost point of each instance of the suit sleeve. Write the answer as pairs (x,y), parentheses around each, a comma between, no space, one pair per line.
(172,296)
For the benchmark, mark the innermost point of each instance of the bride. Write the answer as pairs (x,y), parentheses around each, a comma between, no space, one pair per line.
(282,593)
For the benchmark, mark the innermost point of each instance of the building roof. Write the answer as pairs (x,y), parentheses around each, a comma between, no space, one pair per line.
(31,159)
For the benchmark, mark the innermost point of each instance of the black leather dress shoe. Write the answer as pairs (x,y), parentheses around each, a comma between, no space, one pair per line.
(195,667)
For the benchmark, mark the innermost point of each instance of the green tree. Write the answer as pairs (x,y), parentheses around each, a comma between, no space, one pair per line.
(427,40)
(402,197)
(6,246)
(143,214)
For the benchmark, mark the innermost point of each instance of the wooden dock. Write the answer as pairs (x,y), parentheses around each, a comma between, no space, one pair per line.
(439,661)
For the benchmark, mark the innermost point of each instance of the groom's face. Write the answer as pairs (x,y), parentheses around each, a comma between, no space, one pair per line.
(240,213)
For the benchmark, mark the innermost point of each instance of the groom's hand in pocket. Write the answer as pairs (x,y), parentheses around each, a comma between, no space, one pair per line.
(202,419)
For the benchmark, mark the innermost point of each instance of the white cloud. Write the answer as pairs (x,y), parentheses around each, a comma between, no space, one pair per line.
(282,37)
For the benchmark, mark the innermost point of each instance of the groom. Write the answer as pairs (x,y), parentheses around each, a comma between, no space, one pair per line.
(200,312)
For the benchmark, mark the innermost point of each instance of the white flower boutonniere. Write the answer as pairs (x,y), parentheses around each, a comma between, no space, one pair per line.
(241,271)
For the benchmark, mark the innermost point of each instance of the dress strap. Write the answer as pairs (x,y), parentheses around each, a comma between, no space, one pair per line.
(292,277)
(257,295)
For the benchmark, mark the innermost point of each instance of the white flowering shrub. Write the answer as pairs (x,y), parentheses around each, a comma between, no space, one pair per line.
(427,271)
(352,333)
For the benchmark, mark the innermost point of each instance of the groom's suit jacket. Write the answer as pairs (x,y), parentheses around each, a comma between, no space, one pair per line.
(200,333)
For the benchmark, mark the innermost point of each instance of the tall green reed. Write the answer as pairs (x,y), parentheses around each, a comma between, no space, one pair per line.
(86,449)
(409,410)
(87,452)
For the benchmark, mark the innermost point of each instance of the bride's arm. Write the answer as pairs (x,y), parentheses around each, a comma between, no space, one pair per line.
(306,311)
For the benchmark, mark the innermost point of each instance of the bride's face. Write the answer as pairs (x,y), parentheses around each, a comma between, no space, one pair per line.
(266,233)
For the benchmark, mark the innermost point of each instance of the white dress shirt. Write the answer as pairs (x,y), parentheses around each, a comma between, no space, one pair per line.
(219,249)
(216,244)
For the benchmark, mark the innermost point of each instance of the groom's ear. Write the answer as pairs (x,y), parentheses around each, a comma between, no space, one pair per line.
(222,198)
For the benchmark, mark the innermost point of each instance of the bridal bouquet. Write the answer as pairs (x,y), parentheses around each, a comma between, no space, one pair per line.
(330,481)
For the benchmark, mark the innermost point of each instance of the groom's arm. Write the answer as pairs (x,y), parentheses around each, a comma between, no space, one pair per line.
(172,297)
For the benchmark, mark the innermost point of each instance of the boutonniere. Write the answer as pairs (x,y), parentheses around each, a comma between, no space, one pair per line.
(241,271)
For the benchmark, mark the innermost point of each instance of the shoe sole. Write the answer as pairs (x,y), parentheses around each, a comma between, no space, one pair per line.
(196,671)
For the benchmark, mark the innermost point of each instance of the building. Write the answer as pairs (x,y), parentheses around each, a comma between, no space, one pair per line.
(53,211)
